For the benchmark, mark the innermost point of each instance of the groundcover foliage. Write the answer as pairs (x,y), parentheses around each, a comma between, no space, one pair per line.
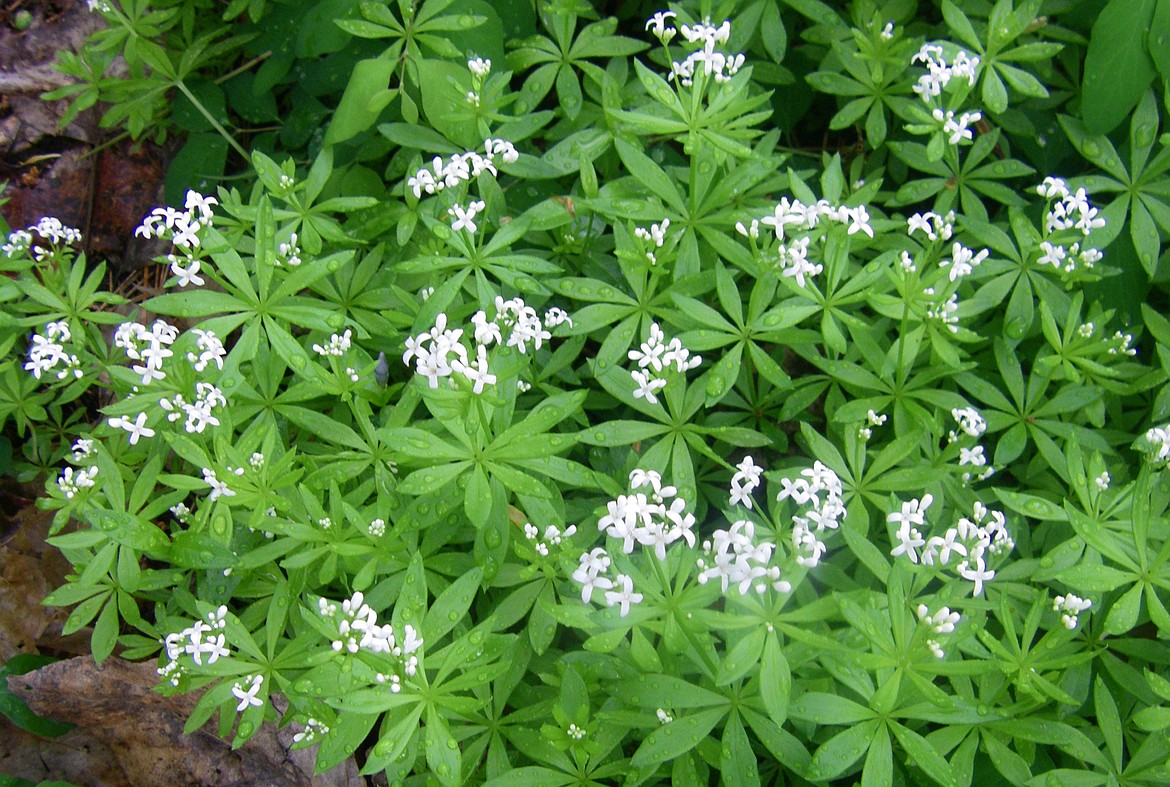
(536,410)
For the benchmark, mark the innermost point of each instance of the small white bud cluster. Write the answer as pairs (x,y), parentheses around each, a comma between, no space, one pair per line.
(377,528)
(653,239)
(1070,607)
(338,346)
(479,68)
(552,535)
(288,253)
(1158,438)
(314,729)
(663,716)
(872,419)
(72,482)
(941,622)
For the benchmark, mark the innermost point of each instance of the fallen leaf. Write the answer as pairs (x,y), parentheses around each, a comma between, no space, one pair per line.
(131,728)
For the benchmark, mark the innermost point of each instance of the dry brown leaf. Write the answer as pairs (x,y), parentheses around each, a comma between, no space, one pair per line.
(29,570)
(138,732)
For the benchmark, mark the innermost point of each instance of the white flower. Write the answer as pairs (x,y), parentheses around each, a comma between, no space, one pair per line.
(657,25)
(188,275)
(647,385)
(623,597)
(464,219)
(218,488)
(137,428)
(248,698)
(979,574)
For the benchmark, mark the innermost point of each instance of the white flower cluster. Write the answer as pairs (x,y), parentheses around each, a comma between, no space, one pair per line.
(147,345)
(99,6)
(792,220)
(180,226)
(248,697)
(971,539)
(963,261)
(210,349)
(551,535)
(744,482)
(653,238)
(737,559)
(958,131)
(1158,438)
(939,73)
(589,575)
(971,425)
(200,413)
(198,640)
(1068,210)
(1070,607)
(377,528)
(358,629)
(313,730)
(461,167)
(655,357)
(49,228)
(649,520)
(663,716)
(941,622)
(932,224)
(706,59)
(338,346)
(440,352)
(47,351)
(820,489)
(137,428)
(72,482)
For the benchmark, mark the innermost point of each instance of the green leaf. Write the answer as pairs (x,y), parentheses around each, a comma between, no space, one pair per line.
(15,709)
(744,655)
(775,680)
(1123,615)
(677,737)
(839,753)
(355,112)
(649,174)
(923,755)
(1117,68)
(1158,37)
(1094,578)
(443,755)
(824,708)
(1108,721)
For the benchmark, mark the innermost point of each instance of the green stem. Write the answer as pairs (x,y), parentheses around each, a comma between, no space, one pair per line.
(214,123)
(259,58)
(712,669)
